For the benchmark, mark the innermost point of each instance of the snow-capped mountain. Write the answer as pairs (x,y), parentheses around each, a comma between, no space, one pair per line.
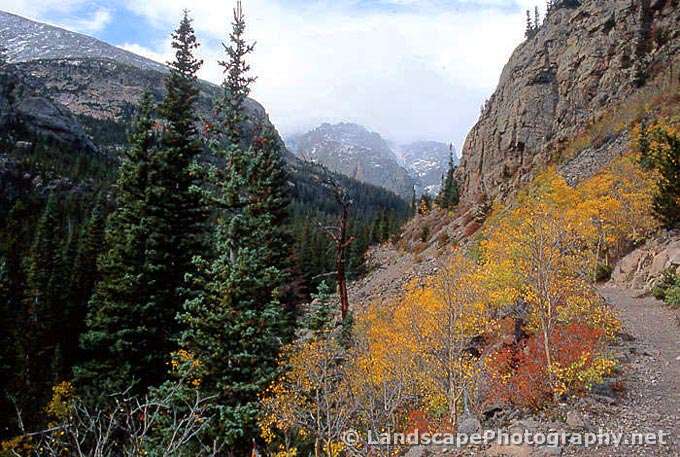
(28,40)
(354,151)
(427,162)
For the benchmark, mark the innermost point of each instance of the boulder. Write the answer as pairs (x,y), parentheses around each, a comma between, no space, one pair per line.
(643,267)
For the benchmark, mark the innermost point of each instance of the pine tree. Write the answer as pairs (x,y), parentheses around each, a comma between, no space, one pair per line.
(174,197)
(667,198)
(537,19)
(646,159)
(123,323)
(448,196)
(529,31)
(236,323)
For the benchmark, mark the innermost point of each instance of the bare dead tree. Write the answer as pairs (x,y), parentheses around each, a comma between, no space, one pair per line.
(129,426)
(338,233)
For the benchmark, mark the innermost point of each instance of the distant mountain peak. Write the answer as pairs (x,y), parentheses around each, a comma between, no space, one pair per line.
(354,151)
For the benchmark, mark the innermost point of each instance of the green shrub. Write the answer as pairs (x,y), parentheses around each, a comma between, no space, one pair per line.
(659,292)
(668,279)
(603,272)
(673,296)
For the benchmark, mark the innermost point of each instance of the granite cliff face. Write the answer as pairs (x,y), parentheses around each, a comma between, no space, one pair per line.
(26,115)
(584,60)
(353,151)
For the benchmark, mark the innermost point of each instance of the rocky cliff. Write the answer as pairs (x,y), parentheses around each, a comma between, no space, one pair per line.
(26,115)
(585,59)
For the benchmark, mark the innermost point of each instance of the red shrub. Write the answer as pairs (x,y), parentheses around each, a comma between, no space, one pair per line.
(519,373)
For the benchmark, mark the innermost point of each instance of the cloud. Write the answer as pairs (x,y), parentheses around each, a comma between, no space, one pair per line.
(410,69)
(96,22)
(78,15)
(420,71)
(161,56)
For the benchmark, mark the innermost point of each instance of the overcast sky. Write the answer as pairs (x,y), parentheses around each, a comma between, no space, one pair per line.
(408,69)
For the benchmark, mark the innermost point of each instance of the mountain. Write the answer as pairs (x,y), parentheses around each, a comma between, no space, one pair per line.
(426,162)
(25,115)
(352,150)
(585,71)
(96,81)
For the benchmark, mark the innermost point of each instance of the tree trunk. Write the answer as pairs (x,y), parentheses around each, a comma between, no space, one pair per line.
(340,263)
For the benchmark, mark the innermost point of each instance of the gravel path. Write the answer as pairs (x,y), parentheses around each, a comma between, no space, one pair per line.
(651,375)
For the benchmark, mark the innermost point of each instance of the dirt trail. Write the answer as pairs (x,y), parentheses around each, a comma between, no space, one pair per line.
(651,374)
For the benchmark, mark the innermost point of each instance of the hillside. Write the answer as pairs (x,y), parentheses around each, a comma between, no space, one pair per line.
(353,151)
(585,60)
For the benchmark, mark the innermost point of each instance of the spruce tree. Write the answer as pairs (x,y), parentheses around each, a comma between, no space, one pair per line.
(84,276)
(122,322)
(42,317)
(153,236)
(529,30)
(448,196)
(236,323)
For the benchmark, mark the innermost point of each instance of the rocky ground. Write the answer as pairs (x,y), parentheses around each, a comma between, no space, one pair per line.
(650,352)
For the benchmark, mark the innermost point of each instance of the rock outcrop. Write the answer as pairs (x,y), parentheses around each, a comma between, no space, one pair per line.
(586,58)
(25,115)
(643,267)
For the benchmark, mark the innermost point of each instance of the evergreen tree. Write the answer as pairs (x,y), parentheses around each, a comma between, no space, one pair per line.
(646,159)
(153,236)
(529,31)
(236,323)
(448,196)
(537,19)
(124,325)
(667,198)
(319,317)
(43,314)
(84,276)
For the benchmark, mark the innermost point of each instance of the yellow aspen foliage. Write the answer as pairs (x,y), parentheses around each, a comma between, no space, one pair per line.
(310,403)
(61,403)
(421,344)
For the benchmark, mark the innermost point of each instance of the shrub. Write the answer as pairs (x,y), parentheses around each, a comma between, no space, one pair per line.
(519,373)
(673,296)
(669,279)
(603,272)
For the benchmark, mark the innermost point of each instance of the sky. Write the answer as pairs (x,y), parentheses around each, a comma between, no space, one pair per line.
(408,69)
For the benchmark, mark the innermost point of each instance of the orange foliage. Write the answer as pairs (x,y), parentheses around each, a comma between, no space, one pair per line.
(519,374)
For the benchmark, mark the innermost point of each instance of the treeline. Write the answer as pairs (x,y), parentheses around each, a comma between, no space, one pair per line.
(179,281)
